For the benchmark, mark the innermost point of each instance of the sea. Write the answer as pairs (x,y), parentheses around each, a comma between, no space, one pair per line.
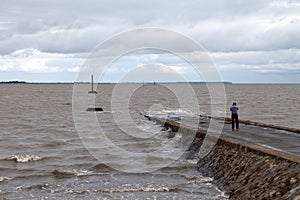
(52,148)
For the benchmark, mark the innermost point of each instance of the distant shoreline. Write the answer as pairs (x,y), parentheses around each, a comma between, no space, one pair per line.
(147,83)
(12,82)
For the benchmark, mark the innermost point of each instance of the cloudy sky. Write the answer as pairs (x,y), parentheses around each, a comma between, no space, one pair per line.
(254,41)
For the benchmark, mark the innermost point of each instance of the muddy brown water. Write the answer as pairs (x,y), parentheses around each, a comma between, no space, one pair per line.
(43,157)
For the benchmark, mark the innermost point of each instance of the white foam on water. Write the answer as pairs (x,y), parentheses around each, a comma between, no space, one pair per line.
(25,158)
(77,172)
(4,178)
(83,172)
(194,162)
(171,113)
(137,188)
(149,126)
(179,111)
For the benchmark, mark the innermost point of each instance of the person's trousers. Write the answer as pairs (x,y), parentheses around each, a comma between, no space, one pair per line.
(235,119)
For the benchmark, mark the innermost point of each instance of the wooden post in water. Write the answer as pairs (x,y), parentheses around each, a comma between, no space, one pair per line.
(92,91)
(92,83)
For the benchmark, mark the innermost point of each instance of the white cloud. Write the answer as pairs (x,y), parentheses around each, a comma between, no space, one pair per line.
(6,68)
(152,72)
(32,60)
(74,69)
(285,4)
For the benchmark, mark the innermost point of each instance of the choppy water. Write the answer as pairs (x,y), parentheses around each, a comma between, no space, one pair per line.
(42,155)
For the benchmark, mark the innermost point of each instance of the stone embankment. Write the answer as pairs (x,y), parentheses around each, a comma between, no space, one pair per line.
(243,170)
(245,173)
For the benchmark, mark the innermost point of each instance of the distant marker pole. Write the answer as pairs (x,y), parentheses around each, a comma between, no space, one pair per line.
(92,91)
(92,83)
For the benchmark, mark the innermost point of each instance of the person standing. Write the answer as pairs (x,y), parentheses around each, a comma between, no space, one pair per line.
(234,116)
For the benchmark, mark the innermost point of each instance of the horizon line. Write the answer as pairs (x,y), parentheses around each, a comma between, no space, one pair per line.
(153,82)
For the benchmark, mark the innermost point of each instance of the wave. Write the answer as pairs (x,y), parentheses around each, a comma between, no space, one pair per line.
(37,186)
(24,158)
(178,168)
(149,126)
(190,178)
(30,176)
(195,178)
(148,188)
(83,172)
(101,166)
(179,111)
(76,172)
(194,162)
(62,174)
(4,178)
(174,112)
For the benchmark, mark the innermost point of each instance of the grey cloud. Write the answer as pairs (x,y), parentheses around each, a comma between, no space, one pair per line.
(36,24)
(68,26)
(259,57)
(59,40)
(283,61)
(260,35)
(248,34)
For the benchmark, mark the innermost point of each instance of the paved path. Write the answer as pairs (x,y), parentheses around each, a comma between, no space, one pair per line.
(280,143)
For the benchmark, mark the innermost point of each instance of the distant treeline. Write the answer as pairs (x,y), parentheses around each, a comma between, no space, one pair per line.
(12,82)
(23,82)
(225,82)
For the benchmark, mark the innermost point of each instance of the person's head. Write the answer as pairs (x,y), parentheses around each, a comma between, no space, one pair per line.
(234,103)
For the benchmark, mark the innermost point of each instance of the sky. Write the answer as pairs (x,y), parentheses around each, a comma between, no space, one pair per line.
(254,41)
